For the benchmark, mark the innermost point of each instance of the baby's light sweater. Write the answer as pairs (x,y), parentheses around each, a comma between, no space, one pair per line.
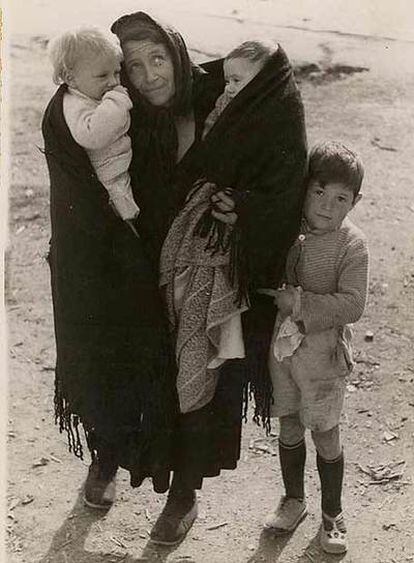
(332,270)
(100,127)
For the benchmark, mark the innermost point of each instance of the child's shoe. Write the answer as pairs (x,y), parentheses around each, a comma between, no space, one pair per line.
(288,515)
(333,534)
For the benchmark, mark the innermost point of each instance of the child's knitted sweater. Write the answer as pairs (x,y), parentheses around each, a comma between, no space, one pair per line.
(100,127)
(332,270)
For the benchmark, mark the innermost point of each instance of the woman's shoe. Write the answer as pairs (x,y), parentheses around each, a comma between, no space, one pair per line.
(99,488)
(333,534)
(176,519)
(288,515)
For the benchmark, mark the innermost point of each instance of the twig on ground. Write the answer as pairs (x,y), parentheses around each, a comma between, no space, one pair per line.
(118,542)
(217,526)
(375,142)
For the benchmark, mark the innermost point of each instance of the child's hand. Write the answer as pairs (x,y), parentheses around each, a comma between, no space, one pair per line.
(119,93)
(285,300)
(120,96)
(120,89)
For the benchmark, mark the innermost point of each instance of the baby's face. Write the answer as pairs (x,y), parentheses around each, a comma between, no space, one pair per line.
(95,74)
(238,72)
(326,206)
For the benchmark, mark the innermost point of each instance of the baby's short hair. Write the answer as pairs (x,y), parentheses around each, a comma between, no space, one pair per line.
(66,49)
(332,161)
(255,51)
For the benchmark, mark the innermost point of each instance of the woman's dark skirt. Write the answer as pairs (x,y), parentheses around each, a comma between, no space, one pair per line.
(204,441)
(208,440)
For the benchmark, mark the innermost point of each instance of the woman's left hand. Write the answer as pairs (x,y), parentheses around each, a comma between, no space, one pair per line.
(223,209)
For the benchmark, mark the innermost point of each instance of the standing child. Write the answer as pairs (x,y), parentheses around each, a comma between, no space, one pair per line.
(96,108)
(327,279)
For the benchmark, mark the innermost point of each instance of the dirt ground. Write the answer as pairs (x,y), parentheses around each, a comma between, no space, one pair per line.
(371,110)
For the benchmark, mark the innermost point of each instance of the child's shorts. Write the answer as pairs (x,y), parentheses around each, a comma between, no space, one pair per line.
(312,381)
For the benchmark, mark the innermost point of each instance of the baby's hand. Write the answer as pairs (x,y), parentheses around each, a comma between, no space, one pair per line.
(121,89)
(120,95)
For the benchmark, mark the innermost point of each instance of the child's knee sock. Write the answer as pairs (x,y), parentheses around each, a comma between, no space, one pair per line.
(331,474)
(292,463)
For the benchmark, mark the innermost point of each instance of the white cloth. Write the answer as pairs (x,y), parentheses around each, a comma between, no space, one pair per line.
(101,127)
(288,336)
(287,340)
(230,342)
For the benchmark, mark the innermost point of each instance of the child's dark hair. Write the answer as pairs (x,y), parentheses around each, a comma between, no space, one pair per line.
(332,161)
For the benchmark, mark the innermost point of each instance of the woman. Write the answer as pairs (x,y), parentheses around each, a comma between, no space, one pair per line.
(172,98)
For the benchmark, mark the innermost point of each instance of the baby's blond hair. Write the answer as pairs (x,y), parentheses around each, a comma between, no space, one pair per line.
(66,49)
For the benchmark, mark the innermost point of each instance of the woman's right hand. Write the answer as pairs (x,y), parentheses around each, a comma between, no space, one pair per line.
(223,208)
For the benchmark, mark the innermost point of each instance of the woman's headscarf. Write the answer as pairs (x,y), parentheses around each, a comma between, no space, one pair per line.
(140,26)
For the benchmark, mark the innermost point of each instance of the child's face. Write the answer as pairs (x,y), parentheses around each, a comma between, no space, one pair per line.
(96,74)
(326,206)
(238,72)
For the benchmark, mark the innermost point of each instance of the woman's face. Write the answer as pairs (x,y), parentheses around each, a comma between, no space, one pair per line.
(151,71)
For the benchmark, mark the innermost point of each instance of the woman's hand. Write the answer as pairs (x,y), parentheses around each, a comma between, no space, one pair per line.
(223,208)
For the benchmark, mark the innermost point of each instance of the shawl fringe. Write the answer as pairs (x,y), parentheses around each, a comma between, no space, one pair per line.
(153,420)
(68,423)
(258,325)
(219,238)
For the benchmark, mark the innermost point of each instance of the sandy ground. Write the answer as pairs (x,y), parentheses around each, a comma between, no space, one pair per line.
(384,18)
(46,521)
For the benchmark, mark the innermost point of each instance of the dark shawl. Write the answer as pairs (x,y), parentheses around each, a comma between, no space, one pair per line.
(257,145)
(114,370)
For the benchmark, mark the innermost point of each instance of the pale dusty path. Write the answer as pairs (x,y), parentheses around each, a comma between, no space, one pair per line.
(382,18)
